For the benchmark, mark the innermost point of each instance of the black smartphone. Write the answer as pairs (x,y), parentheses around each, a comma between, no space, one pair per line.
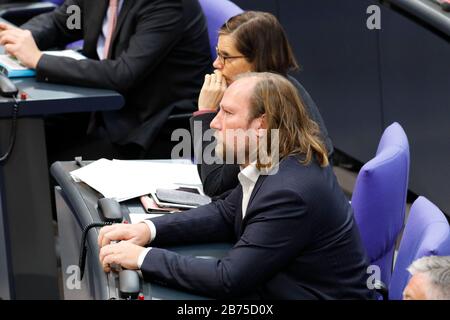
(189,189)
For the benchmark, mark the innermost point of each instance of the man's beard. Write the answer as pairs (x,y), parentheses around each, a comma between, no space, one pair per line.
(220,148)
(230,153)
(264,151)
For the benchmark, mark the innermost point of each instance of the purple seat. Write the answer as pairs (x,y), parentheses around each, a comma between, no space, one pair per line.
(57,2)
(379,198)
(77,45)
(426,233)
(217,12)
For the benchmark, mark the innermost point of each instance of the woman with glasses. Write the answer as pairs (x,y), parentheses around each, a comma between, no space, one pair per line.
(249,42)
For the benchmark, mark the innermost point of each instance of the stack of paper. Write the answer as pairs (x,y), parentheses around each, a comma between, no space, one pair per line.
(66,53)
(123,180)
(138,217)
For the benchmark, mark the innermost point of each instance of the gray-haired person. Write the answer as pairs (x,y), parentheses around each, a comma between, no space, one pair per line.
(430,279)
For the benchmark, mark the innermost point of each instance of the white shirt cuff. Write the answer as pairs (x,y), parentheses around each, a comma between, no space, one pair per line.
(144,253)
(152,228)
(142,257)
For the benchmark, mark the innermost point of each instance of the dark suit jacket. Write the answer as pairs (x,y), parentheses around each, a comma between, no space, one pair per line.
(158,58)
(221,178)
(298,240)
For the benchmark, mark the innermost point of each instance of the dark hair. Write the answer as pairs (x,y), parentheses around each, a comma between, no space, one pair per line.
(261,39)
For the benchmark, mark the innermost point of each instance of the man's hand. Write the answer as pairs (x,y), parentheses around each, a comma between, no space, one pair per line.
(138,234)
(212,91)
(125,254)
(20,44)
(5,26)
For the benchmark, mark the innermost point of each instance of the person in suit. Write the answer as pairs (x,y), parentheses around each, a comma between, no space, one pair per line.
(293,229)
(154,52)
(251,41)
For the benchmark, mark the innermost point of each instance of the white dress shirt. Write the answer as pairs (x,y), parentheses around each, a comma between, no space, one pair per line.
(152,228)
(247,178)
(104,33)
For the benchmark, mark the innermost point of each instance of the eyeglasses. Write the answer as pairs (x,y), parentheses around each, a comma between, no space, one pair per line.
(223,58)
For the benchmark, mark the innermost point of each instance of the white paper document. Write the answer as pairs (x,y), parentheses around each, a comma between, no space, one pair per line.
(123,180)
(66,53)
(138,217)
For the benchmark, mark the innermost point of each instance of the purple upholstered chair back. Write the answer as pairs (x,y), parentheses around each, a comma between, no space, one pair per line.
(217,12)
(379,198)
(426,233)
(57,2)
